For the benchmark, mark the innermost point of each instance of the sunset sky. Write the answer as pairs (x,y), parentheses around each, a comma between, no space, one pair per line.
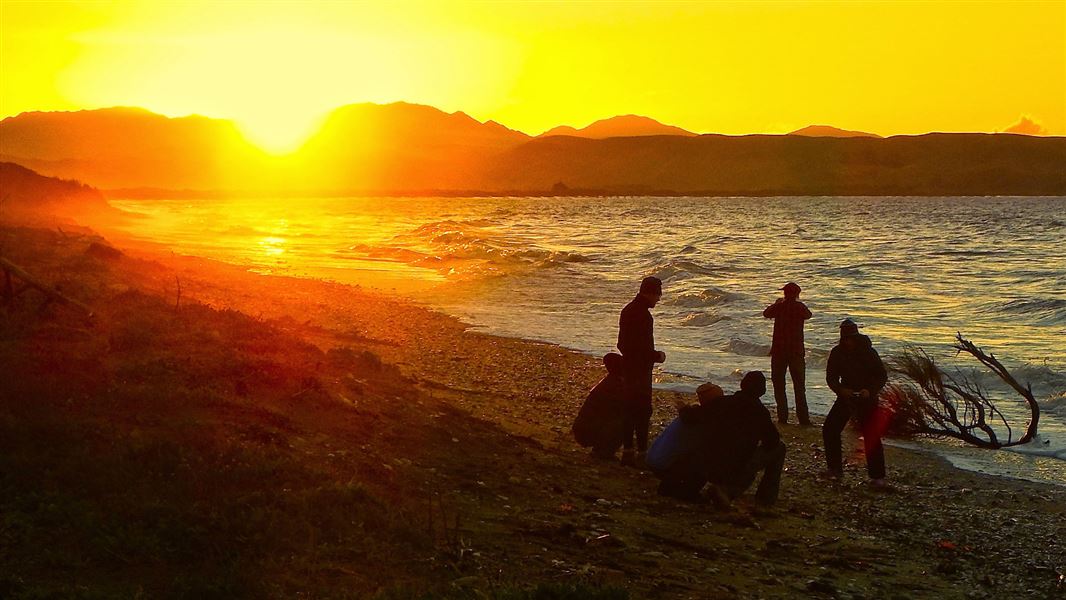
(726,67)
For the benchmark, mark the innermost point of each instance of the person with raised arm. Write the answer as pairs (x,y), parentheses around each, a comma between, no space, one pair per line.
(787,352)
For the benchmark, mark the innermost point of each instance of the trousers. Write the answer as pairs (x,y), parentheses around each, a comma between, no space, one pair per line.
(866,413)
(797,367)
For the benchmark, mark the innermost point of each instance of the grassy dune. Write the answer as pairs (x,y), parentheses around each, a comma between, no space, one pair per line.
(255,436)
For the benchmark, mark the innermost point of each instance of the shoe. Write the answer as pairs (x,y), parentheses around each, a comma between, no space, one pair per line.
(880,485)
(806,423)
(628,458)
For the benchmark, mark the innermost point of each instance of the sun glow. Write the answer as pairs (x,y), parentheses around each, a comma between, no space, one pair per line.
(728,67)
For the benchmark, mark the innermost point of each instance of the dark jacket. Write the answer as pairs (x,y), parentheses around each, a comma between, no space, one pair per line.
(735,427)
(602,409)
(636,340)
(788,317)
(859,368)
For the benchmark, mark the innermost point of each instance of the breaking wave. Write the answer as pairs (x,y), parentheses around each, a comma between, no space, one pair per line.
(466,248)
(707,297)
(680,269)
(702,319)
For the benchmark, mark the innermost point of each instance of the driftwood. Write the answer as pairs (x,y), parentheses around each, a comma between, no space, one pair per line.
(31,282)
(927,400)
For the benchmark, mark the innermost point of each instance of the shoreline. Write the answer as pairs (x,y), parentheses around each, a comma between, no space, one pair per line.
(417,407)
(942,449)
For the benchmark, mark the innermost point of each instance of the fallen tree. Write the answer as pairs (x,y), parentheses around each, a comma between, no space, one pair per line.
(926,400)
(9,292)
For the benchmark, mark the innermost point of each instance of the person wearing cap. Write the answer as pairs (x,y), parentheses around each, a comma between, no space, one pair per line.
(856,374)
(735,441)
(786,352)
(599,422)
(636,342)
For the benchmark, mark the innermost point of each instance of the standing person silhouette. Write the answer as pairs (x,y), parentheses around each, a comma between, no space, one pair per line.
(856,374)
(636,342)
(786,352)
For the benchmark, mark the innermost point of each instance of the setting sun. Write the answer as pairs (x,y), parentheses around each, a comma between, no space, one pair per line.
(728,67)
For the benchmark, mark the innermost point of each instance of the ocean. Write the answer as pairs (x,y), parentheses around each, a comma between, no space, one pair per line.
(912,271)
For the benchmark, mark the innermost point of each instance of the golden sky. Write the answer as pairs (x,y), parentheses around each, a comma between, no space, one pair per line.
(727,67)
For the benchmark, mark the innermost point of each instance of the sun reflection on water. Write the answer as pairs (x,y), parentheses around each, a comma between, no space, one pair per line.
(272,246)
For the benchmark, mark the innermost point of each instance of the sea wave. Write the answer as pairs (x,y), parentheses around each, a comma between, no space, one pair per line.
(702,319)
(816,357)
(894,300)
(706,297)
(1055,405)
(1043,379)
(746,348)
(1045,310)
(677,269)
(466,248)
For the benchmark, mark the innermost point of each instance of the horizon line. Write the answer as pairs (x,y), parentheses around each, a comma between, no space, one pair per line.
(326,114)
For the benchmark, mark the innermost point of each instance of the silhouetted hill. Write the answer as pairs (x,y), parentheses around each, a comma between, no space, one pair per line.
(406,148)
(401,146)
(24,192)
(933,164)
(620,126)
(359,147)
(830,131)
(129,147)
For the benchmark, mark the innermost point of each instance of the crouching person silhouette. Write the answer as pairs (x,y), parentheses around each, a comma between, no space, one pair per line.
(601,420)
(677,456)
(736,440)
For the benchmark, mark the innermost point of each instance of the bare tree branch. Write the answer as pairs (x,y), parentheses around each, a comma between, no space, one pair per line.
(926,400)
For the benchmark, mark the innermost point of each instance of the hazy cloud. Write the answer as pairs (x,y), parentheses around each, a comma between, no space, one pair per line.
(1026,126)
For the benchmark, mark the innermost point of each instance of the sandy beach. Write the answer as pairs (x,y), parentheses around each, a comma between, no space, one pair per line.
(212,432)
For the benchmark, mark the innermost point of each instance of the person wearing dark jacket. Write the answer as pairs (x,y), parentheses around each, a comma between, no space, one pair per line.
(856,374)
(739,440)
(599,422)
(683,435)
(636,342)
(786,352)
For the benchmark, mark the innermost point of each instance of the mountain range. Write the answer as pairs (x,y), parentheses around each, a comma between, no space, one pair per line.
(408,149)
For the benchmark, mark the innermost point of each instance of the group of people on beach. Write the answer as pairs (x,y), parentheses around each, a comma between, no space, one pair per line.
(729,440)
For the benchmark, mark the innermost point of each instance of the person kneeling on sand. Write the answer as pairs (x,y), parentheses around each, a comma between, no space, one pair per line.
(737,441)
(672,453)
(600,421)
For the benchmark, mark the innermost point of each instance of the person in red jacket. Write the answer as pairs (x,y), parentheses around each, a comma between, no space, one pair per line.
(636,342)
(786,352)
